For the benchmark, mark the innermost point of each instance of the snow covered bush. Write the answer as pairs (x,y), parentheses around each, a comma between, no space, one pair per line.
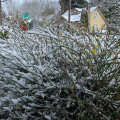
(50,74)
(3,33)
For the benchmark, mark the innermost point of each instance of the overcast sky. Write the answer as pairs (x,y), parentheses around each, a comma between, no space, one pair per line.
(20,1)
(17,2)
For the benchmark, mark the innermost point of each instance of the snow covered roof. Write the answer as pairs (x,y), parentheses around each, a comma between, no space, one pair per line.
(74,18)
(78,9)
(77,17)
(92,9)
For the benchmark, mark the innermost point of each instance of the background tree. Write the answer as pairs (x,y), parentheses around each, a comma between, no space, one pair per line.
(111,10)
(11,7)
(74,3)
(84,19)
(36,8)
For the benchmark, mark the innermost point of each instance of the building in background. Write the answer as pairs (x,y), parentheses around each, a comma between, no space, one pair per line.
(75,17)
(97,20)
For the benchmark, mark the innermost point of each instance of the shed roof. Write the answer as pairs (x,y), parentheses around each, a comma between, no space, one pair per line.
(74,18)
(79,9)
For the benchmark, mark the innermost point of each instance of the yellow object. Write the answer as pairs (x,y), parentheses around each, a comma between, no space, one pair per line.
(80,102)
(38,52)
(62,39)
(87,53)
(97,92)
(72,87)
(96,46)
(93,51)
(98,38)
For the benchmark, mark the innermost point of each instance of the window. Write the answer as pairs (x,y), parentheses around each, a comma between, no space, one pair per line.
(95,27)
(74,12)
(95,15)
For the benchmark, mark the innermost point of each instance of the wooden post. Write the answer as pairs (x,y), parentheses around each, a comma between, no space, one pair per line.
(88,17)
(0,14)
(69,15)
